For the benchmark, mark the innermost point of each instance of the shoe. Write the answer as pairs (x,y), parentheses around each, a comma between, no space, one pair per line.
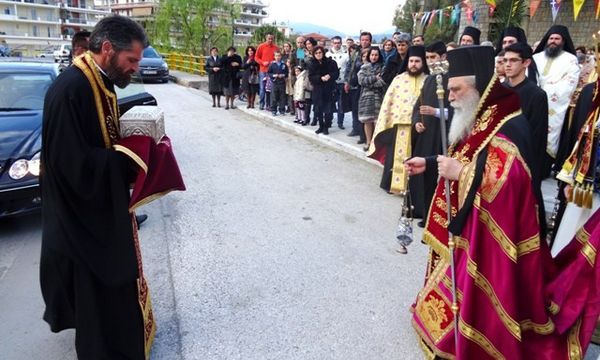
(421,224)
(214,105)
(319,130)
(325,131)
(139,219)
(313,123)
(261,107)
(366,148)
(341,127)
(233,107)
(352,133)
(274,114)
(218,105)
(226,107)
(361,141)
(304,123)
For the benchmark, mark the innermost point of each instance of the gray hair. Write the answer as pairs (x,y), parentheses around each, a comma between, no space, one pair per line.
(120,31)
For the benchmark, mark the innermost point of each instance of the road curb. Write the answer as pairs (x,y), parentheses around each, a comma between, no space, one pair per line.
(281,122)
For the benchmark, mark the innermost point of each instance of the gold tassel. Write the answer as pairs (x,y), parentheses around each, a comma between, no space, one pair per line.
(577,196)
(570,191)
(589,196)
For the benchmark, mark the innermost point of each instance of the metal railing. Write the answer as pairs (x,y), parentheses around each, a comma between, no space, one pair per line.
(188,63)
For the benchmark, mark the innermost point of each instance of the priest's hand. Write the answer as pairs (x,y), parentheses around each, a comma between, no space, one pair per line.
(415,166)
(427,110)
(419,127)
(449,168)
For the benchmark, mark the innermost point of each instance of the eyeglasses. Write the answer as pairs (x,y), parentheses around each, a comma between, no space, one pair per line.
(512,60)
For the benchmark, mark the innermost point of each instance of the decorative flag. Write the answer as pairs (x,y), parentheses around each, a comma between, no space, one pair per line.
(533,6)
(492,4)
(424,18)
(476,17)
(456,12)
(555,7)
(515,7)
(469,15)
(577,5)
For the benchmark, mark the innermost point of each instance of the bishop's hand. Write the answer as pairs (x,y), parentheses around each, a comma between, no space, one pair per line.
(449,168)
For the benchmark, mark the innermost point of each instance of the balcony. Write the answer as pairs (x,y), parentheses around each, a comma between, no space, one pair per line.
(254,13)
(254,3)
(32,3)
(84,9)
(48,20)
(247,23)
(29,35)
(86,23)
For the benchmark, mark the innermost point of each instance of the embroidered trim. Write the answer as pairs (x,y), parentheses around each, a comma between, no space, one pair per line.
(542,329)
(574,345)
(478,338)
(507,246)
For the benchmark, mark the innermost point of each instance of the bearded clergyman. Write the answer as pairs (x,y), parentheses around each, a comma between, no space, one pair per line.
(392,137)
(511,300)
(558,75)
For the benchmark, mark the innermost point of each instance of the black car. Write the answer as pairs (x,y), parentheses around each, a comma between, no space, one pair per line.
(23,86)
(153,67)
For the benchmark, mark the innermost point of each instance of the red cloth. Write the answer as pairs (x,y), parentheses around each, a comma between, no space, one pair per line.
(157,172)
(265,54)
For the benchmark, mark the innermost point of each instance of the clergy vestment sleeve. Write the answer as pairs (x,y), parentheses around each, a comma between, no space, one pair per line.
(92,223)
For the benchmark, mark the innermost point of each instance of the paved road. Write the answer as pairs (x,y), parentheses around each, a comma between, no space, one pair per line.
(280,249)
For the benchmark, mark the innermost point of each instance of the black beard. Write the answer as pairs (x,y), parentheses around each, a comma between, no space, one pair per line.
(416,72)
(116,73)
(553,51)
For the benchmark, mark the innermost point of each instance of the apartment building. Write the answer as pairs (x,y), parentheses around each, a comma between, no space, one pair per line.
(31,27)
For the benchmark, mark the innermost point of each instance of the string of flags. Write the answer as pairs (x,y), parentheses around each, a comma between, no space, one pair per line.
(451,14)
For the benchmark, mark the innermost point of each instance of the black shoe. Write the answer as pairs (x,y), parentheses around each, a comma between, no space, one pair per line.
(421,224)
(226,107)
(341,127)
(304,123)
(319,130)
(325,131)
(261,107)
(361,141)
(353,133)
(214,105)
(139,219)
(313,123)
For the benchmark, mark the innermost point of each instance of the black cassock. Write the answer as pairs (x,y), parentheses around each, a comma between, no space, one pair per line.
(534,105)
(422,187)
(88,266)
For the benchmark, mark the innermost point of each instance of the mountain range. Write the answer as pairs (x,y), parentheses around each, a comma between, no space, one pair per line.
(305,28)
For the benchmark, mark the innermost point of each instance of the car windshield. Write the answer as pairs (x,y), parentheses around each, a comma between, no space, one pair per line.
(150,53)
(23,91)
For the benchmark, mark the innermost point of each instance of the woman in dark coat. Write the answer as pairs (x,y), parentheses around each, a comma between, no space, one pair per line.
(250,79)
(232,64)
(323,72)
(214,69)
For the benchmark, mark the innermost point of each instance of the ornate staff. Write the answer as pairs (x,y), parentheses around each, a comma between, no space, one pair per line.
(439,69)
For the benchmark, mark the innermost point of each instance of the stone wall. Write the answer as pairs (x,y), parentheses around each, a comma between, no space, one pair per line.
(581,30)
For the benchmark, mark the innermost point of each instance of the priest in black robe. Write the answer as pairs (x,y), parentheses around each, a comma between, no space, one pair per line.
(426,133)
(90,269)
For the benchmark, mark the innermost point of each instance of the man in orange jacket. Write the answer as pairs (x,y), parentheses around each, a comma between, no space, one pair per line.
(265,54)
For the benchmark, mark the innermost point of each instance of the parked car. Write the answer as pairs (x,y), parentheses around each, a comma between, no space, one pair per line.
(62,53)
(153,67)
(23,85)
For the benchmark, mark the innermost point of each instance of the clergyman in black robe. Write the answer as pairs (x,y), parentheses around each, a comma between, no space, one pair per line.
(427,143)
(89,267)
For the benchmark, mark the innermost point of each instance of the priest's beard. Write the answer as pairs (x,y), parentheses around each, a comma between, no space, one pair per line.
(116,74)
(413,71)
(464,116)
(553,51)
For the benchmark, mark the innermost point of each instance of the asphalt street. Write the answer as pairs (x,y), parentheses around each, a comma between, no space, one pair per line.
(280,248)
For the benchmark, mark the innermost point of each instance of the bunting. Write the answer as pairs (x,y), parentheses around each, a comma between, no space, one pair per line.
(555,4)
(534,5)
(455,17)
(515,6)
(577,5)
(469,13)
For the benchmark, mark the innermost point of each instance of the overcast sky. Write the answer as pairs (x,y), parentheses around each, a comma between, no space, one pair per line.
(346,16)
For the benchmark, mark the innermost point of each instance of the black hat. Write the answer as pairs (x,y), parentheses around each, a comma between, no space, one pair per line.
(472,60)
(415,50)
(513,31)
(562,31)
(437,47)
(473,32)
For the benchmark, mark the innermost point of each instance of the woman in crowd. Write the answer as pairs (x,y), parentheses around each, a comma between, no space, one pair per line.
(232,64)
(372,91)
(289,87)
(286,52)
(250,78)
(309,46)
(389,51)
(214,69)
(322,73)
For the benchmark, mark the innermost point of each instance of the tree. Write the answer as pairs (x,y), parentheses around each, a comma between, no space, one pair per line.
(194,25)
(260,34)
(403,16)
(507,13)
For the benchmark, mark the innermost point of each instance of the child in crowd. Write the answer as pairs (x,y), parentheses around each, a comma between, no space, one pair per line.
(300,93)
(278,73)
(289,87)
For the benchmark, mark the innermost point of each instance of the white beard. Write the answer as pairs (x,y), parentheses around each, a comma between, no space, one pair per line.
(464,117)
